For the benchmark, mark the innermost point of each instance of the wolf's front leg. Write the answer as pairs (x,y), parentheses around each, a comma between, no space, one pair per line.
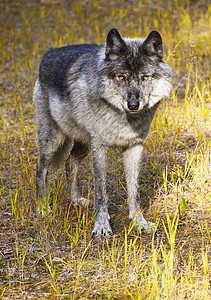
(102,226)
(132,162)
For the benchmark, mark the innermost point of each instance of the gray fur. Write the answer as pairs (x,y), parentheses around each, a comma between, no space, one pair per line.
(96,97)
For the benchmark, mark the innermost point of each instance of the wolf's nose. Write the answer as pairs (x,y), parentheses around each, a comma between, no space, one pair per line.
(133,105)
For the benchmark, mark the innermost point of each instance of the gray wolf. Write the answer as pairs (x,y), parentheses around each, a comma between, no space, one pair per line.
(93,97)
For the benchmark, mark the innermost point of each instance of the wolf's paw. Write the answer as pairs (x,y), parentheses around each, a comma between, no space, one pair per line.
(102,229)
(147,227)
(43,210)
(141,224)
(80,201)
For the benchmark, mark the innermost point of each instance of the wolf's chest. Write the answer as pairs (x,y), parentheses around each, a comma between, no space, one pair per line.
(118,134)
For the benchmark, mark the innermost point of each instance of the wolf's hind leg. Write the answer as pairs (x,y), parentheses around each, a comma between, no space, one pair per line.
(78,153)
(132,162)
(41,202)
(54,145)
(52,153)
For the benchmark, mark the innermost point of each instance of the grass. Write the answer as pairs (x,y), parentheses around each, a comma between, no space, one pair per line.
(55,258)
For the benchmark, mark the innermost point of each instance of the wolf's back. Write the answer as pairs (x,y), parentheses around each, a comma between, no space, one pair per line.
(56,63)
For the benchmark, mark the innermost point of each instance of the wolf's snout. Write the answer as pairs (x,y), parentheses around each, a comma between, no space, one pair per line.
(133,105)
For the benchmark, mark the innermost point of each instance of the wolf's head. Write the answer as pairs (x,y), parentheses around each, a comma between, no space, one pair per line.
(137,76)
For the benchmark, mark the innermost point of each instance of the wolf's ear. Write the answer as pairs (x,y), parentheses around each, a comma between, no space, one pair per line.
(115,45)
(153,45)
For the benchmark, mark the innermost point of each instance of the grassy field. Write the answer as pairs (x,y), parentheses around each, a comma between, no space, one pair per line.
(55,258)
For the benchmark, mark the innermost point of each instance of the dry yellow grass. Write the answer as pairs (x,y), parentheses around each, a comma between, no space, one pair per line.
(55,258)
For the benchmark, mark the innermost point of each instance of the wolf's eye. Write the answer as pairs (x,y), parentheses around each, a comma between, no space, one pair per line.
(121,77)
(145,77)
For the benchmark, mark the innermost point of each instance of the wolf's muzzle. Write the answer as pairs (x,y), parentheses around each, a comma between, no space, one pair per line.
(133,105)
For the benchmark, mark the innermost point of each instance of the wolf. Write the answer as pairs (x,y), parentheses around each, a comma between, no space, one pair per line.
(92,97)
